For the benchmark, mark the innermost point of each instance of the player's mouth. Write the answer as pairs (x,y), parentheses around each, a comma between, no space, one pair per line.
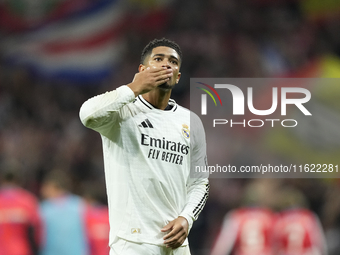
(167,85)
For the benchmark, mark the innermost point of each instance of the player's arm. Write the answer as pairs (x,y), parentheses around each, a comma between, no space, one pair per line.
(198,183)
(100,112)
(197,191)
(179,228)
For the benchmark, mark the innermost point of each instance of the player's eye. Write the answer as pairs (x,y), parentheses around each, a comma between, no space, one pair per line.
(158,59)
(174,62)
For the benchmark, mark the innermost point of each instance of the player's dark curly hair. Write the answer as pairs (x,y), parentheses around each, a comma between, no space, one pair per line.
(159,42)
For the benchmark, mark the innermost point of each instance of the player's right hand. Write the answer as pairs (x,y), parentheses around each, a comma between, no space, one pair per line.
(150,78)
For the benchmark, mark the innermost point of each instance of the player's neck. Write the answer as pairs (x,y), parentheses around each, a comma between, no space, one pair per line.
(158,98)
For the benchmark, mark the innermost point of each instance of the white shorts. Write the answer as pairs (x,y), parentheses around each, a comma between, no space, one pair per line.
(123,247)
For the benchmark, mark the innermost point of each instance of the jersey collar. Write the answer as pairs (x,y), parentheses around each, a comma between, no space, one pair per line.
(171,107)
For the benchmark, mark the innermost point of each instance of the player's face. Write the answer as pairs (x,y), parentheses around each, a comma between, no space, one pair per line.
(165,57)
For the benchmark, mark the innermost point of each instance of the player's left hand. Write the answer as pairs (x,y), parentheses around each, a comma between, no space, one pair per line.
(178,232)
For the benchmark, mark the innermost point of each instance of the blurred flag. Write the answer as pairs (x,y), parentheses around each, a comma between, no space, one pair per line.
(19,15)
(83,47)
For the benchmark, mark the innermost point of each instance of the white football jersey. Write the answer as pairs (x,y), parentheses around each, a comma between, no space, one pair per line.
(147,157)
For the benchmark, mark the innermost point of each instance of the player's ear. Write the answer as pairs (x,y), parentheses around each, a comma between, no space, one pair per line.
(178,77)
(141,68)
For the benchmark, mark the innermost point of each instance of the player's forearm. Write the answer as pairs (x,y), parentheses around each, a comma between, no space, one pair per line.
(198,194)
(101,109)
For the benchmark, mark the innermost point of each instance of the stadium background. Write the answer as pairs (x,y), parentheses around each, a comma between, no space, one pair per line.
(55,54)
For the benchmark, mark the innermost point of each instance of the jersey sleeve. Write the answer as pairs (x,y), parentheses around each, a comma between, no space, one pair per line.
(102,112)
(198,184)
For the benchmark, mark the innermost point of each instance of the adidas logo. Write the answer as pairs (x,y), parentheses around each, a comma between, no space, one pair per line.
(145,124)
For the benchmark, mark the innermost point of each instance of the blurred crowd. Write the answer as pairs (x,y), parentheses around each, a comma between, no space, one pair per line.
(40,129)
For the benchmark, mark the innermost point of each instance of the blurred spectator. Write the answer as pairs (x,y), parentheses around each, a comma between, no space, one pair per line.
(63,217)
(96,219)
(20,224)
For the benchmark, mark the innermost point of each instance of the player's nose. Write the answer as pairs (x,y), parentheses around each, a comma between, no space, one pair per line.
(166,64)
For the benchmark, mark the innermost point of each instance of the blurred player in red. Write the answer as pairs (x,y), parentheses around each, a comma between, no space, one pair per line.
(298,230)
(248,230)
(20,224)
(96,220)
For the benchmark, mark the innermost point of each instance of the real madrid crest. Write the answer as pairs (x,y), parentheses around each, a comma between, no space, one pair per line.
(185,131)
